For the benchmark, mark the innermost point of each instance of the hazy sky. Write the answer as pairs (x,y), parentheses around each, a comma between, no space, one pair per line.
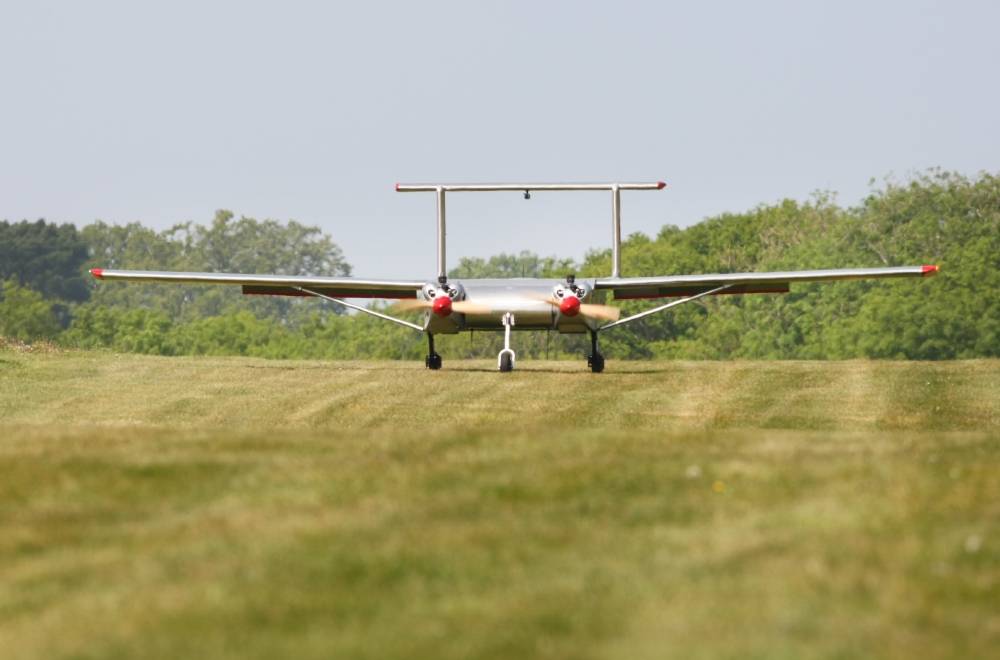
(165,112)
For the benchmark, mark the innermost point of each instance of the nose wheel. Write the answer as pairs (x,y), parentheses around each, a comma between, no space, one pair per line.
(505,361)
(433,360)
(595,360)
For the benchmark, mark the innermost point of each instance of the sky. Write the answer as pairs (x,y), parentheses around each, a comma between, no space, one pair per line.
(164,112)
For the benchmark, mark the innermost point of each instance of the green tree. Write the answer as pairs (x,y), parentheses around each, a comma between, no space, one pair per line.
(135,330)
(938,217)
(25,314)
(46,257)
(243,245)
(523,264)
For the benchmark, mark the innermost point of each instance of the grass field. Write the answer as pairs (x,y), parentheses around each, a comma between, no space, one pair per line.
(207,507)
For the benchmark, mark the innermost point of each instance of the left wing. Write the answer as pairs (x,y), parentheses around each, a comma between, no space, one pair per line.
(625,288)
(276,285)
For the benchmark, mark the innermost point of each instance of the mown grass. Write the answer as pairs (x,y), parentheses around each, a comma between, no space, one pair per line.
(202,507)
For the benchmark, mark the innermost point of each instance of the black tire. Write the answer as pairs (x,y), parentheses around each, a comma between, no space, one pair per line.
(596,363)
(433,361)
(506,363)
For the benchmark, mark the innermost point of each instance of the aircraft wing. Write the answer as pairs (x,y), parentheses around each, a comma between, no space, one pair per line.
(625,288)
(275,285)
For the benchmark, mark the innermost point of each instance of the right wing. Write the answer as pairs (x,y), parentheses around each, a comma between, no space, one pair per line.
(774,282)
(275,285)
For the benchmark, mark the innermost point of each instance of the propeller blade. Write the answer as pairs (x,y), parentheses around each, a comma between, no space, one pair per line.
(466,307)
(602,312)
(592,310)
(411,305)
(543,298)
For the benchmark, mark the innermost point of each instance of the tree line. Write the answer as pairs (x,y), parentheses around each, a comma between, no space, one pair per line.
(937,217)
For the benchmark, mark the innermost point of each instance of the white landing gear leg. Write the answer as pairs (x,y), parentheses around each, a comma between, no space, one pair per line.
(505,361)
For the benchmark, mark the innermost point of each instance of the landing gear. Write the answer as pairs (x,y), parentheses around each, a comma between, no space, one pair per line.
(595,360)
(505,361)
(433,360)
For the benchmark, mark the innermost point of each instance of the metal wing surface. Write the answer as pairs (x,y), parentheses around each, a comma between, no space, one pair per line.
(625,288)
(275,285)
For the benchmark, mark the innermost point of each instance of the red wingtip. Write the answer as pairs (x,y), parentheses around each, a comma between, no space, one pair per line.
(397,187)
(930,270)
(660,185)
(97,272)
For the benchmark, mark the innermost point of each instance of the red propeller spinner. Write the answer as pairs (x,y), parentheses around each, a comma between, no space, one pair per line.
(570,305)
(441,306)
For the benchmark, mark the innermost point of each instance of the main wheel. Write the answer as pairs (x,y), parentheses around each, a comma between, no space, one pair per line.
(506,362)
(433,361)
(596,363)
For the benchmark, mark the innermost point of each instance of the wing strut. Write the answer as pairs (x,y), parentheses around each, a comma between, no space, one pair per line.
(360,308)
(640,315)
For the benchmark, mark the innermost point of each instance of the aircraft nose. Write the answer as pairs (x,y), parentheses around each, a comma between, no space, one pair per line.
(570,306)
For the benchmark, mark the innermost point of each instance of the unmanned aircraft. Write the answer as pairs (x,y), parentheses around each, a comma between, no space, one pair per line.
(569,305)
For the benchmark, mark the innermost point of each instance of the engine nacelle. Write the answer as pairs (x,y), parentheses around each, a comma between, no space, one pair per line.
(441,297)
(570,295)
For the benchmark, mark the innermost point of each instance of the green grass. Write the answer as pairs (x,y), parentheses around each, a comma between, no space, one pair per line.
(205,507)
